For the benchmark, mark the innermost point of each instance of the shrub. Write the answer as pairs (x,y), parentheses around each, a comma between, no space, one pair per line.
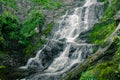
(34,19)
(48,4)
(101,31)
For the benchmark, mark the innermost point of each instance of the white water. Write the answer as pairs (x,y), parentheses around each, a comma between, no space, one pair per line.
(74,50)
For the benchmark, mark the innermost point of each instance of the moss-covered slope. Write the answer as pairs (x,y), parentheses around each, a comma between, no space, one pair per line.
(107,67)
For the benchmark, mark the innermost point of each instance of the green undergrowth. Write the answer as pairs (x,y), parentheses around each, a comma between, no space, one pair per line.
(1,67)
(31,48)
(107,24)
(33,20)
(101,31)
(102,71)
(109,68)
(111,10)
(48,4)
(3,55)
(10,3)
(9,30)
(48,28)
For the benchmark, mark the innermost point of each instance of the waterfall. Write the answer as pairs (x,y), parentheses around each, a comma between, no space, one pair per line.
(65,49)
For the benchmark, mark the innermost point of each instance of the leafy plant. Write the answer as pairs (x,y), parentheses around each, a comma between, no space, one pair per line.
(34,19)
(89,75)
(101,31)
(9,29)
(48,28)
(48,4)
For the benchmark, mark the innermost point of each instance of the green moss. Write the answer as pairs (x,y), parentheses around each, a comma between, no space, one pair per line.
(33,47)
(34,19)
(16,37)
(3,56)
(48,28)
(9,29)
(10,3)
(102,71)
(89,75)
(1,67)
(111,10)
(101,31)
(109,68)
(116,57)
(48,4)
(107,25)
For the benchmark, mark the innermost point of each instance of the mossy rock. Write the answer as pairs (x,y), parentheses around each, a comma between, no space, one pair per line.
(101,31)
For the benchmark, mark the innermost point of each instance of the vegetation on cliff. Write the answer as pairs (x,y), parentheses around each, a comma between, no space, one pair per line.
(21,29)
(107,23)
(107,68)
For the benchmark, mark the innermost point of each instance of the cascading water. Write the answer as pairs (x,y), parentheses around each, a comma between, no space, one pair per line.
(65,49)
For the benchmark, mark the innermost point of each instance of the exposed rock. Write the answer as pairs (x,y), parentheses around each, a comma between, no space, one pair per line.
(37,30)
(117,16)
(24,7)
